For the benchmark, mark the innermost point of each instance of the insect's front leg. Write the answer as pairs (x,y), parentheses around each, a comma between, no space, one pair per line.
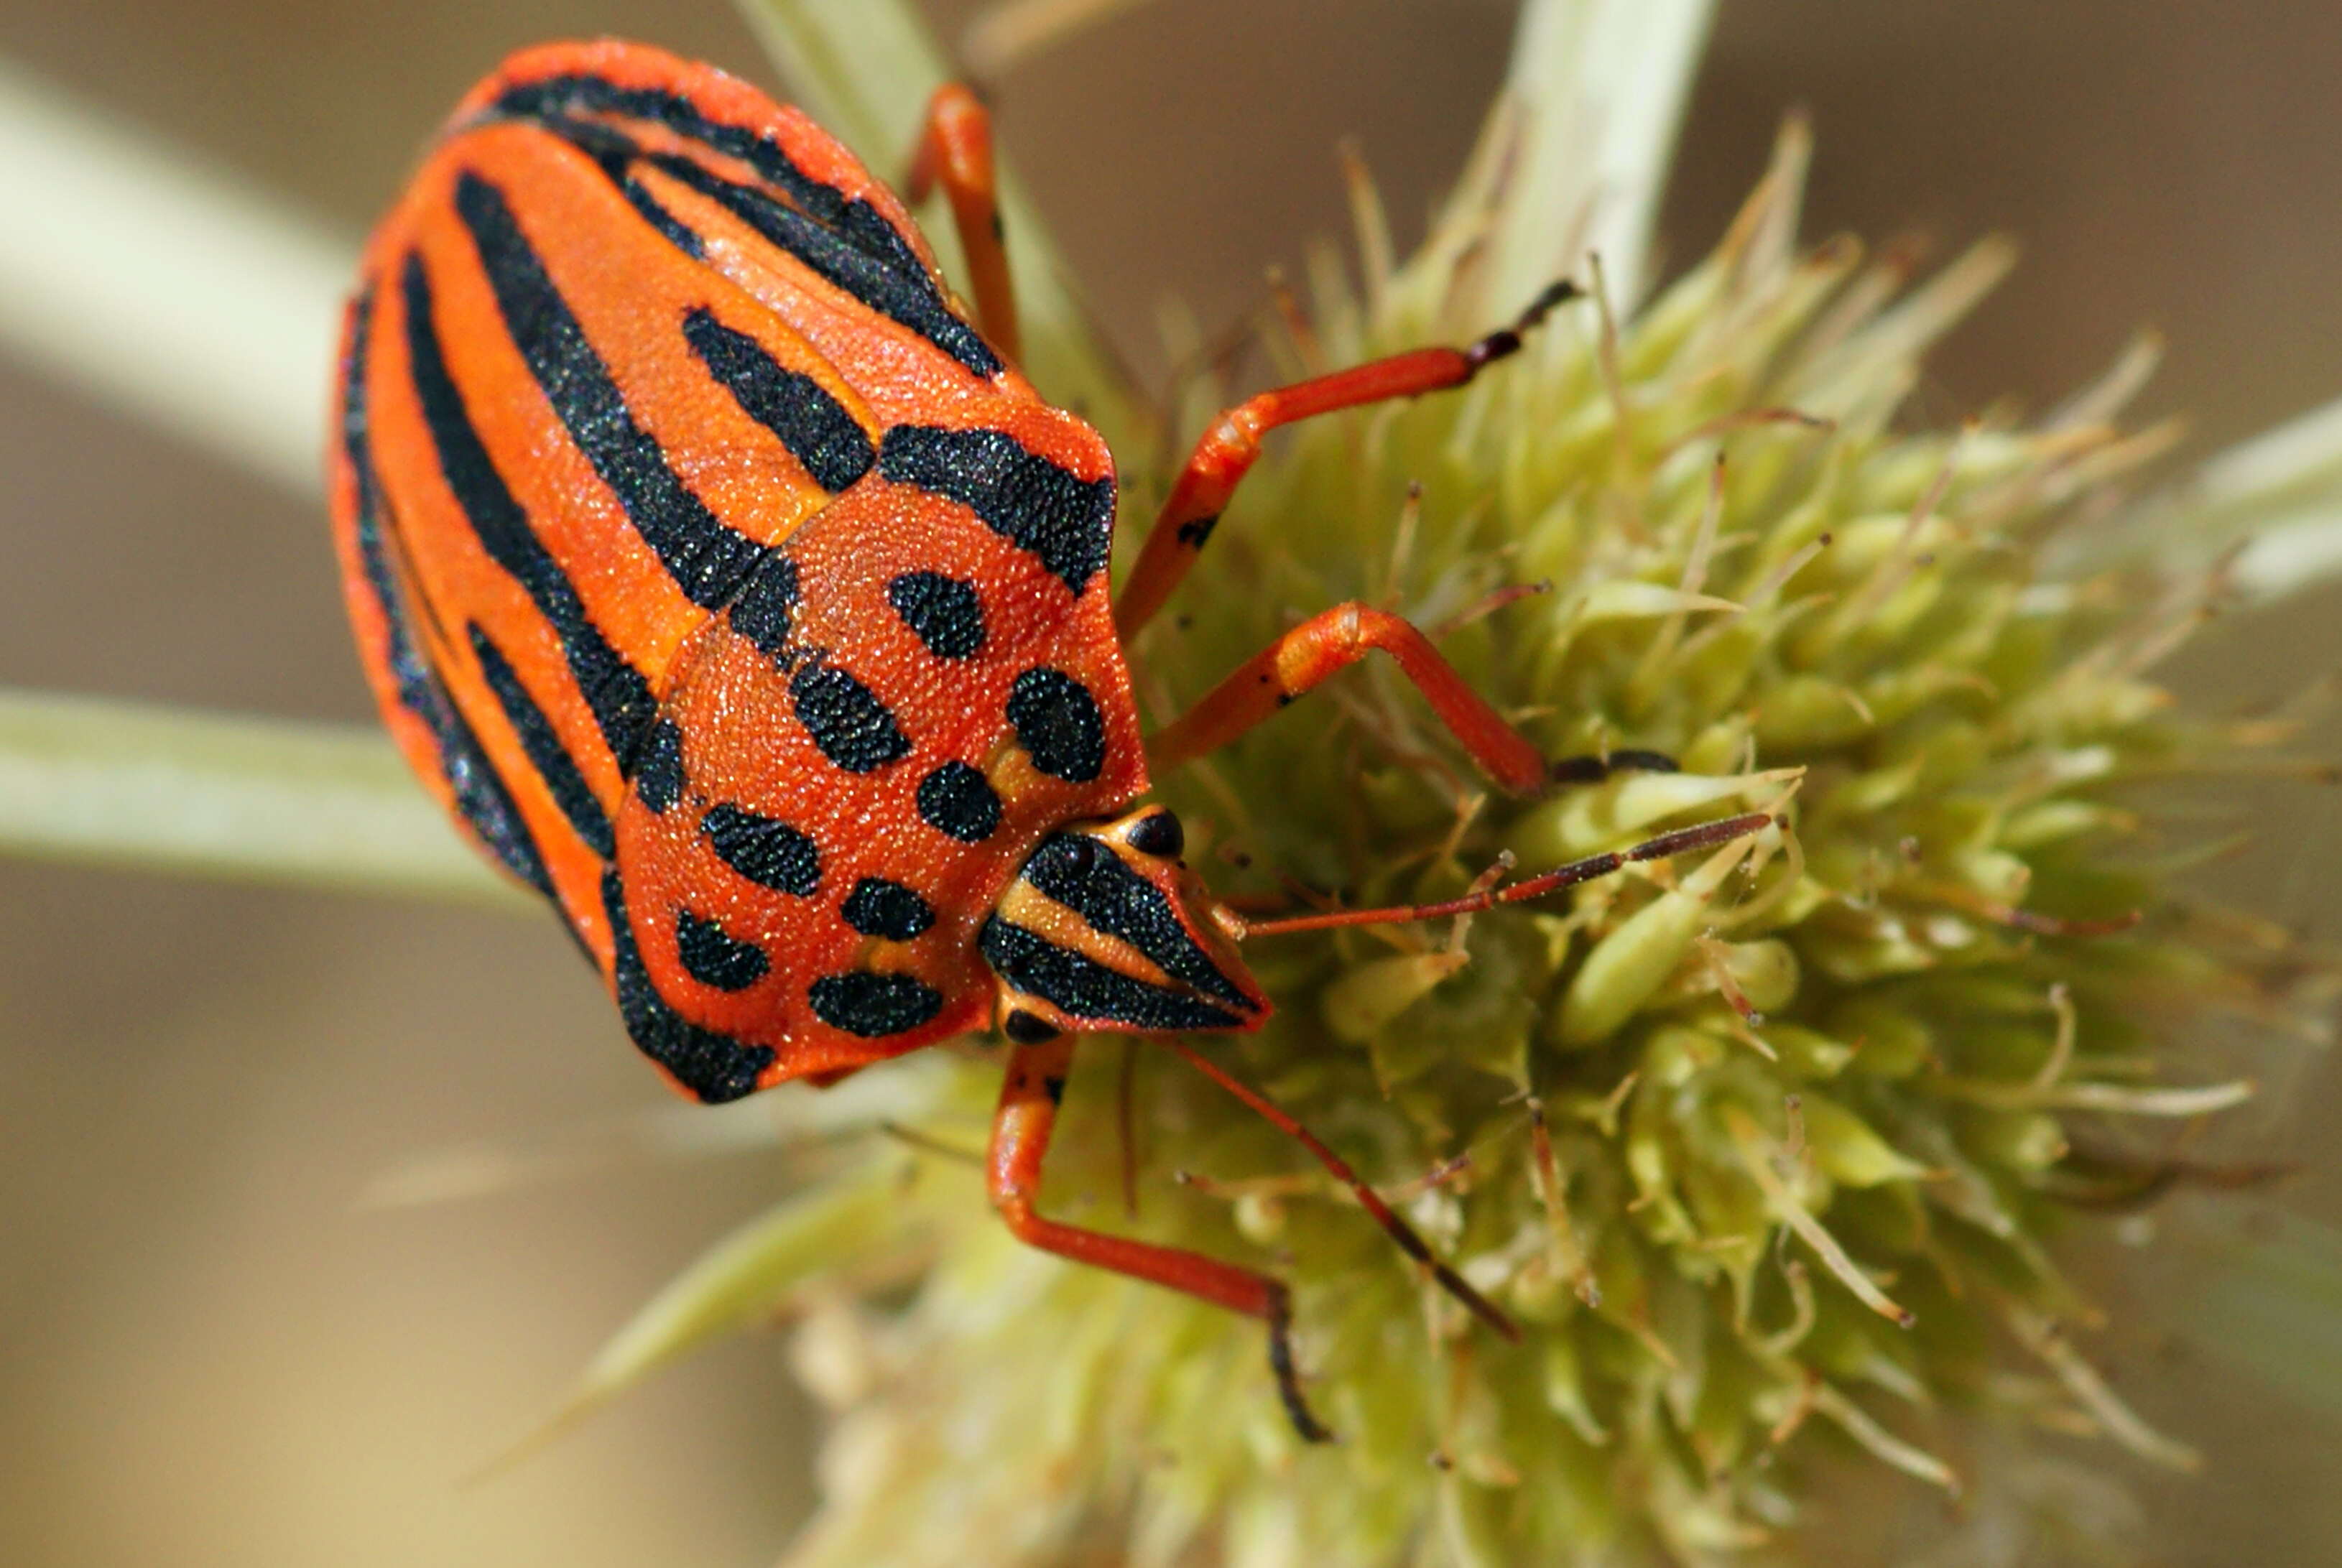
(1333,640)
(1021,1129)
(954,151)
(1232,444)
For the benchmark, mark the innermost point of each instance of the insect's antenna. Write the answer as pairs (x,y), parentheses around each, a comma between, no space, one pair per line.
(1700,835)
(1399,1230)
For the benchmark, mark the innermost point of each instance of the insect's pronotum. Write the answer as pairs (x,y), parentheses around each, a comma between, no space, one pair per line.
(742,597)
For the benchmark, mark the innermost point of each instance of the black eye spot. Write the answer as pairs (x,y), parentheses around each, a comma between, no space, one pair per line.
(944,611)
(1157,834)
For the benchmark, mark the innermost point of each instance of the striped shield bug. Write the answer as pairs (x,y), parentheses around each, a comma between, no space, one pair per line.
(736,592)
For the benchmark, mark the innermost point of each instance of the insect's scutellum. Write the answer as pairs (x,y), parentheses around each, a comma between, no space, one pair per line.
(739,595)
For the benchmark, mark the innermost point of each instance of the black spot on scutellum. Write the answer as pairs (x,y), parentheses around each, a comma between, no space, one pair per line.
(766,850)
(944,613)
(1058,722)
(713,1067)
(846,720)
(873,1006)
(878,907)
(958,801)
(714,957)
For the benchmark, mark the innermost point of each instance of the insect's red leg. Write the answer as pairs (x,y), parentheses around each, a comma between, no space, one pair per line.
(956,151)
(1020,1139)
(1230,448)
(1332,641)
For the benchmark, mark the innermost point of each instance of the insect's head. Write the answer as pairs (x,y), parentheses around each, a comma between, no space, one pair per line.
(1106,928)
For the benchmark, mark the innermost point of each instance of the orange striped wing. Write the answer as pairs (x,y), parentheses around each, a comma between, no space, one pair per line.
(712,569)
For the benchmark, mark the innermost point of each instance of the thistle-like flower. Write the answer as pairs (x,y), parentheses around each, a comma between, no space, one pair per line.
(1769,1150)
(1773,1144)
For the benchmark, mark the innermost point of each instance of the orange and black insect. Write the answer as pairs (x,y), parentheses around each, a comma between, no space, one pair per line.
(742,597)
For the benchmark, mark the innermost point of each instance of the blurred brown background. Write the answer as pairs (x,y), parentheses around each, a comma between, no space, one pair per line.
(207,1356)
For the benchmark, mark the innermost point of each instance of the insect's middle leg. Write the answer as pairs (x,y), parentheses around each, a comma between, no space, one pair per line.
(1230,448)
(955,150)
(1332,641)
(1021,1130)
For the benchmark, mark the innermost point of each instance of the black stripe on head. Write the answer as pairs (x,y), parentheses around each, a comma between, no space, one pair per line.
(849,242)
(1057,722)
(715,1067)
(707,557)
(613,689)
(547,754)
(944,613)
(853,728)
(1081,987)
(1023,498)
(714,957)
(813,425)
(766,850)
(1088,878)
(873,1006)
(479,790)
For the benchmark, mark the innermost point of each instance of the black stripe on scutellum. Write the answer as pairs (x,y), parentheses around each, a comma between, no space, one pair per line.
(479,790)
(847,241)
(617,693)
(542,743)
(1082,987)
(715,1067)
(813,425)
(707,557)
(1088,878)
(1031,502)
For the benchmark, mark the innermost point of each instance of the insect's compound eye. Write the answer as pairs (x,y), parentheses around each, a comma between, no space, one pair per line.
(1080,854)
(1157,834)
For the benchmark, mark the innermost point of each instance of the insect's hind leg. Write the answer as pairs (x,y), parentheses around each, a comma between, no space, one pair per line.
(954,151)
(1229,449)
(1021,1129)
